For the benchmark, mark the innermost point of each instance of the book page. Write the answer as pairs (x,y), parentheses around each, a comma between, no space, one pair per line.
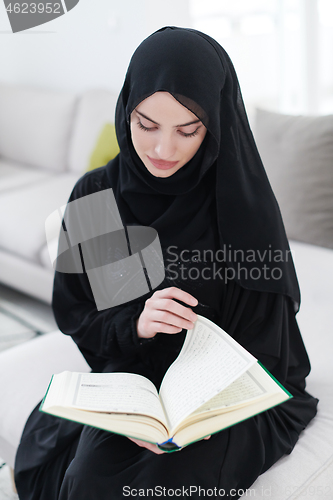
(242,390)
(209,361)
(117,392)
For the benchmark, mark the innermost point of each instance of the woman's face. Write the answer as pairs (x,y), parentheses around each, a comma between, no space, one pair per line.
(165,134)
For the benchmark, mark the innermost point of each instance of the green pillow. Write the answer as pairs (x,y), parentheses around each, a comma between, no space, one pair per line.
(106,147)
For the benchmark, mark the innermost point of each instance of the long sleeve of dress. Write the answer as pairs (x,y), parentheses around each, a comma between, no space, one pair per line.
(104,337)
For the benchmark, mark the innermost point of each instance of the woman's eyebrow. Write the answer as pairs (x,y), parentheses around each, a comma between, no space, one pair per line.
(183,125)
(146,117)
(189,123)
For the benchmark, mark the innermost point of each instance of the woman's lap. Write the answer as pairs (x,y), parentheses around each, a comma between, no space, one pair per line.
(107,463)
(85,463)
(47,447)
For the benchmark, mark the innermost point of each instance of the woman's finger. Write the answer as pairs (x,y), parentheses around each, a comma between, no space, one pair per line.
(176,293)
(165,328)
(168,318)
(174,307)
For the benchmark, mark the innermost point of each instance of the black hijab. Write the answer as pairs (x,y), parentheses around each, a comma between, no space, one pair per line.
(226,176)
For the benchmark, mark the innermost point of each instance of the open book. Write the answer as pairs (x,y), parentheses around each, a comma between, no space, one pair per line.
(213,384)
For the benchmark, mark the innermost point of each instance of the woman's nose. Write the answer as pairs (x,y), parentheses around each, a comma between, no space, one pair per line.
(165,147)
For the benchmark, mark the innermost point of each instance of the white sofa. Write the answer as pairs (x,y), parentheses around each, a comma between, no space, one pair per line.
(46,139)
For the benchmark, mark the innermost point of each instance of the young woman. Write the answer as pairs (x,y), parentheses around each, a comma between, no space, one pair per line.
(188,166)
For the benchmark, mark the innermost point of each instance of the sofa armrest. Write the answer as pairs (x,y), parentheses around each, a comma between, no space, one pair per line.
(25,372)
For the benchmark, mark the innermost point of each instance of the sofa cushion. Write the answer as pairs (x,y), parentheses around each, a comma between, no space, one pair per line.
(106,147)
(95,109)
(297,152)
(308,471)
(35,126)
(14,175)
(23,231)
(26,276)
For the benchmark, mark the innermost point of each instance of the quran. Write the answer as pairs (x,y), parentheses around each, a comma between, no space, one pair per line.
(213,384)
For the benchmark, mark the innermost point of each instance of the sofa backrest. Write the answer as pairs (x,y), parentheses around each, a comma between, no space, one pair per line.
(36,126)
(95,109)
(297,152)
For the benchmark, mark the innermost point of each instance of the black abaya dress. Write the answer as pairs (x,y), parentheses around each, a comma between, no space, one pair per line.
(62,460)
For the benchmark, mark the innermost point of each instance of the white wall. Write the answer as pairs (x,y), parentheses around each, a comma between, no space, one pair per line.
(286,70)
(282,50)
(88,47)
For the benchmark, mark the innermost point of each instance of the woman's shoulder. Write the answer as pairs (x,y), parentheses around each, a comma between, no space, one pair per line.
(91,182)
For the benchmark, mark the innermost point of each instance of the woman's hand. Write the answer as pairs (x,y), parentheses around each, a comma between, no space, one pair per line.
(163,314)
(149,446)
(152,447)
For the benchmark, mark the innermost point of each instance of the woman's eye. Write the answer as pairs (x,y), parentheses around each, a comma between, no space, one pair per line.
(146,129)
(192,134)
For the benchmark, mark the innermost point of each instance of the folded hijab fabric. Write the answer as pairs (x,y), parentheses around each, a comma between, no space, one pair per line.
(226,174)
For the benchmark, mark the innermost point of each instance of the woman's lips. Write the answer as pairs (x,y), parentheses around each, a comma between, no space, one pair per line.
(162,164)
